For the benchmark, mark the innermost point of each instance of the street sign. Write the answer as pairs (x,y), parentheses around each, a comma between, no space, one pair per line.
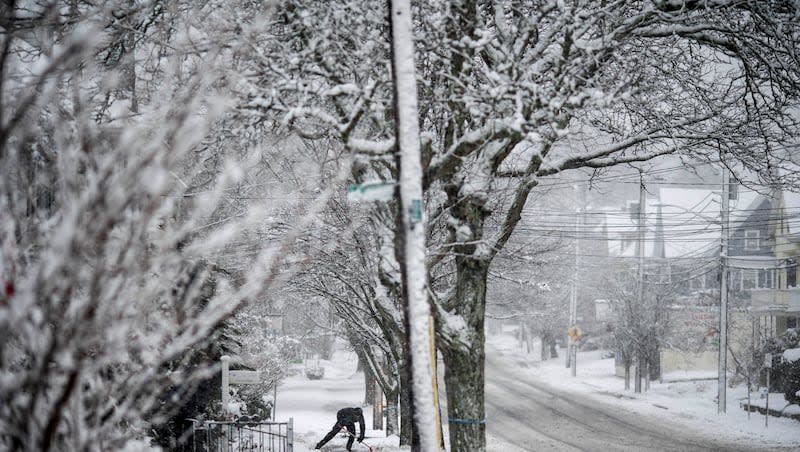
(371,191)
(244,377)
(768,360)
(416,211)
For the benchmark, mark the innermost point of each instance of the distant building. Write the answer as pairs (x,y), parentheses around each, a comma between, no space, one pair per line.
(779,304)
(682,248)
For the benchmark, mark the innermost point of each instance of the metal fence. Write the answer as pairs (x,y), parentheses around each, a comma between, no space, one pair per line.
(217,436)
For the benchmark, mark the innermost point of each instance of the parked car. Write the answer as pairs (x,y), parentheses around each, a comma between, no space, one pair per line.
(315,373)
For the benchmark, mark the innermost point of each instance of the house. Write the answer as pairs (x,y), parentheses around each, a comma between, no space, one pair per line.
(683,235)
(779,305)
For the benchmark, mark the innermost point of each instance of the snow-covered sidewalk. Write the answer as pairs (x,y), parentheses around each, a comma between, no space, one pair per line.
(313,404)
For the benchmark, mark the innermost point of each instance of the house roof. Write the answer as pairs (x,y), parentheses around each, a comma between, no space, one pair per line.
(681,222)
(789,200)
(791,211)
(691,221)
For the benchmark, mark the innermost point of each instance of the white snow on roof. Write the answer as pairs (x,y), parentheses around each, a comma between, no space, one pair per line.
(790,201)
(791,209)
(680,222)
(690,221)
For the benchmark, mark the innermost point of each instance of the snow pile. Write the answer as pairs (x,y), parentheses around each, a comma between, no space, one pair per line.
(791,355)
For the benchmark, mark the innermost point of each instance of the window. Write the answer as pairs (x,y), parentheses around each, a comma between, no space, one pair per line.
(791,274)
(765,280)
(697,282)
(749,279)
(751,240)
(663,274)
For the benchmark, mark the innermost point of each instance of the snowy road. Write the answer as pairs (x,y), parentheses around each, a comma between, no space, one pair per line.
(534,416)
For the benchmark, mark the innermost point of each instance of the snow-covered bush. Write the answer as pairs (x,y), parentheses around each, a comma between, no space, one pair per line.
(790,368)
(785,375)
(255,403)
(199,398)
(121,204)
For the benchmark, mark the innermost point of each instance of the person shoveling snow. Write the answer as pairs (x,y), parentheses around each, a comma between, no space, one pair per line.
(346,418)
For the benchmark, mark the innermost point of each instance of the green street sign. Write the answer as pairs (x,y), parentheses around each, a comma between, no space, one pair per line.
(415,211)
(371,191)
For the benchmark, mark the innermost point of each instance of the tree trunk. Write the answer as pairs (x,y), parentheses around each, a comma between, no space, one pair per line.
(393,416)
(627,376)
(655,364)
(464,379)
(637,374)
(464,361)
(530,339)
(526,337)
(545,352)
(370,385)
(406,424)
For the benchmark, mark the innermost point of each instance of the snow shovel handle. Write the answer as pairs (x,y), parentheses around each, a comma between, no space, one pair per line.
(359,442)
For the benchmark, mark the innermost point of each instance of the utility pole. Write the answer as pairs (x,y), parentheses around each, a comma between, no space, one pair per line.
(572,339)
(411,227)
(723,301)
(637,384)
(573,293)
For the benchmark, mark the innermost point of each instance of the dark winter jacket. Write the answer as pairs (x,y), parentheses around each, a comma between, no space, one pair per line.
(349,416)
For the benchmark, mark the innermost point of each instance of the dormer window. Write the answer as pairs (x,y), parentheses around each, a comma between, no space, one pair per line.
(752,240)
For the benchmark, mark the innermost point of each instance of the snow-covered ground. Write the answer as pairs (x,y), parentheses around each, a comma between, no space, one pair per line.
(690,402)
(313,403)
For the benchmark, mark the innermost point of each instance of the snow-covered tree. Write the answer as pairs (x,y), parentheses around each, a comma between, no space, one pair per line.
(529,283)
(641,322)
(117,193)
(353,278)
(522,90)
(746,338)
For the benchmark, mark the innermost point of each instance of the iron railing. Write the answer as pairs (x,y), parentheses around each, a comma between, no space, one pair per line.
(234,436)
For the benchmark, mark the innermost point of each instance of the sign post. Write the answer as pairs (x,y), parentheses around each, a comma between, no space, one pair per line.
(226,394)
(235,377)
(574,334)
(768,365)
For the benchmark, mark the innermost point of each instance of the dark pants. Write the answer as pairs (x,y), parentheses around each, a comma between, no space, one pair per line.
(336,429)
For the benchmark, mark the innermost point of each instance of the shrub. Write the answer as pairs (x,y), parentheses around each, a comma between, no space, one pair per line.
(785,375)
(790,372)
